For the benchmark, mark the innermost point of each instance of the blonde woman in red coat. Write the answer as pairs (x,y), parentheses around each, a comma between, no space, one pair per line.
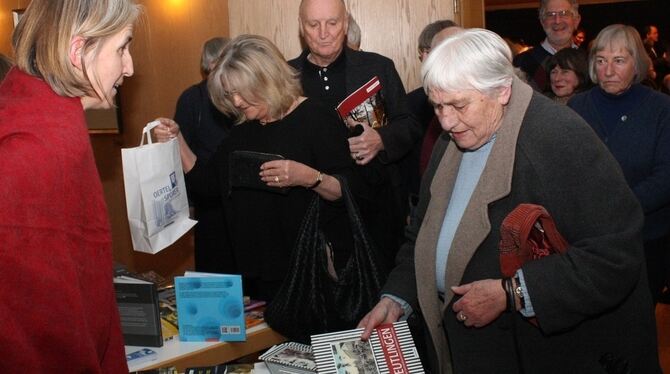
(58,312)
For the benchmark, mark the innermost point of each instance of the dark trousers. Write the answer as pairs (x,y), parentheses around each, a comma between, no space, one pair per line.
(657,253)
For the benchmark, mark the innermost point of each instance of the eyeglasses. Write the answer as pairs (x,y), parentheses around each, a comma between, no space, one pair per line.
(562,14)
(229,94)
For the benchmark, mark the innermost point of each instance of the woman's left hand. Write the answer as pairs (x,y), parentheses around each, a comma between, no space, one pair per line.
(481,302)
(287,173)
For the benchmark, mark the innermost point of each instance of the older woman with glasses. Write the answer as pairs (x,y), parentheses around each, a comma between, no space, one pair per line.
(634,122)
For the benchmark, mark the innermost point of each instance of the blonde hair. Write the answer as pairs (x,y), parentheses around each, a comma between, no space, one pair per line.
(622,36)
(42,39)
(251,66)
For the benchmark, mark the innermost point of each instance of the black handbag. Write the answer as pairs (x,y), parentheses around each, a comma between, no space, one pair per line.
(310,300)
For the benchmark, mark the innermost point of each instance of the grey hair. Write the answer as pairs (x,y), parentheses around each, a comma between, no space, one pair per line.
(621,36)
(211,50)
(543,6)
(353,33)
(428,32)
(471,59)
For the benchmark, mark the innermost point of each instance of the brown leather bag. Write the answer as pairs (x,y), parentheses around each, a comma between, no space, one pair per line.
(528,233)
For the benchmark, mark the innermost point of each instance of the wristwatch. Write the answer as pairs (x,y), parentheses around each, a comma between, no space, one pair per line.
(518,291)
(319,178)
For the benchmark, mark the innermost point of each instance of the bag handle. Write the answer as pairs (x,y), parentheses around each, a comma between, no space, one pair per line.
(147,131)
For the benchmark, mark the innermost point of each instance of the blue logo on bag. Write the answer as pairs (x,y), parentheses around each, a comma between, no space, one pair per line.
(173,179)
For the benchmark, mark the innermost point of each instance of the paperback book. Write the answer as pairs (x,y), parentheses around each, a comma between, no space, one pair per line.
(289,358)
(137,301)
(390,349)
(141,356)
(364,106)
(167,303)
(221,369)
(210,307)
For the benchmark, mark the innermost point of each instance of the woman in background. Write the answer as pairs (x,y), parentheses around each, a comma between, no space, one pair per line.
(634,122)
(567,74)
(59,313)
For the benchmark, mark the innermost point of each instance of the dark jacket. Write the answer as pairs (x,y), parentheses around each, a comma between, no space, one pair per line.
(592,304)
(383,194)
(402,131)
(640,142)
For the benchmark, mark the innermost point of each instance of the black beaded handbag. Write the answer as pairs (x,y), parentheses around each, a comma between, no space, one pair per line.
(312,299)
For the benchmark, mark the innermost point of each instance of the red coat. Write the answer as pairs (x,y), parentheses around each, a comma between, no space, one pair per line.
(57,306)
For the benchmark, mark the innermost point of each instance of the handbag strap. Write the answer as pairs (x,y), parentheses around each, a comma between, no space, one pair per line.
(147,131)
(526,217)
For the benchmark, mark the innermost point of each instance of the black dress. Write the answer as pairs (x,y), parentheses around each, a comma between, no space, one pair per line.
(264,225)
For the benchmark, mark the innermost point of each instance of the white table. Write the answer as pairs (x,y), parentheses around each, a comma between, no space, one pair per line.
(183,355)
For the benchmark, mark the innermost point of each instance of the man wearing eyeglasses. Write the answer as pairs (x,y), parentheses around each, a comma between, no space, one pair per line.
(559,19)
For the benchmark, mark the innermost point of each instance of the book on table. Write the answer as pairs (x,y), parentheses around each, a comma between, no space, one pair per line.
(390,349)
(221,369)
(137,301)
(210,307)
(364,106)
(289,358)
(167,303)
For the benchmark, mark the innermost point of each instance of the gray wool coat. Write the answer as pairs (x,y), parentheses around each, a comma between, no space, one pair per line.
(592,304)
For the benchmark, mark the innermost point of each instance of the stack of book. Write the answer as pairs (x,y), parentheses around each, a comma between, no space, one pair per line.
(289,358)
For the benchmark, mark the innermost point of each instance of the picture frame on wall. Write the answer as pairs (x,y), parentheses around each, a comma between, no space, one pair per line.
(16,15)
(105,121)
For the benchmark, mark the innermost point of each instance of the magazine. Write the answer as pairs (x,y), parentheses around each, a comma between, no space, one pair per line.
(390,349)
(364,106)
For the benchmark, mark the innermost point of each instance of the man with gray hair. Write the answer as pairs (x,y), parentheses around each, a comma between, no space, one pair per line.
(353,34)
(559,19)
(427,34)
(330,71)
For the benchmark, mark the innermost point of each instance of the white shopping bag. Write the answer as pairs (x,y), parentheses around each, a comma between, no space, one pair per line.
(155,193)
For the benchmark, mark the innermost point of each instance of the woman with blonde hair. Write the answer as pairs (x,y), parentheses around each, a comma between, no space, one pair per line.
(56,256)
(252,83)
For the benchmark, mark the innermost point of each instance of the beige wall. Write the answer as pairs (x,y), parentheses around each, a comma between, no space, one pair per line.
(166,52)
(389,27)
(7,25)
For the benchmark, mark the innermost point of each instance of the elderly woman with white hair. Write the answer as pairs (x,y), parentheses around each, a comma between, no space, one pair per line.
(504,145)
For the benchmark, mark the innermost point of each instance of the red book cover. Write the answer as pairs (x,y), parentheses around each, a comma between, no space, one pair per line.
(364,105)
